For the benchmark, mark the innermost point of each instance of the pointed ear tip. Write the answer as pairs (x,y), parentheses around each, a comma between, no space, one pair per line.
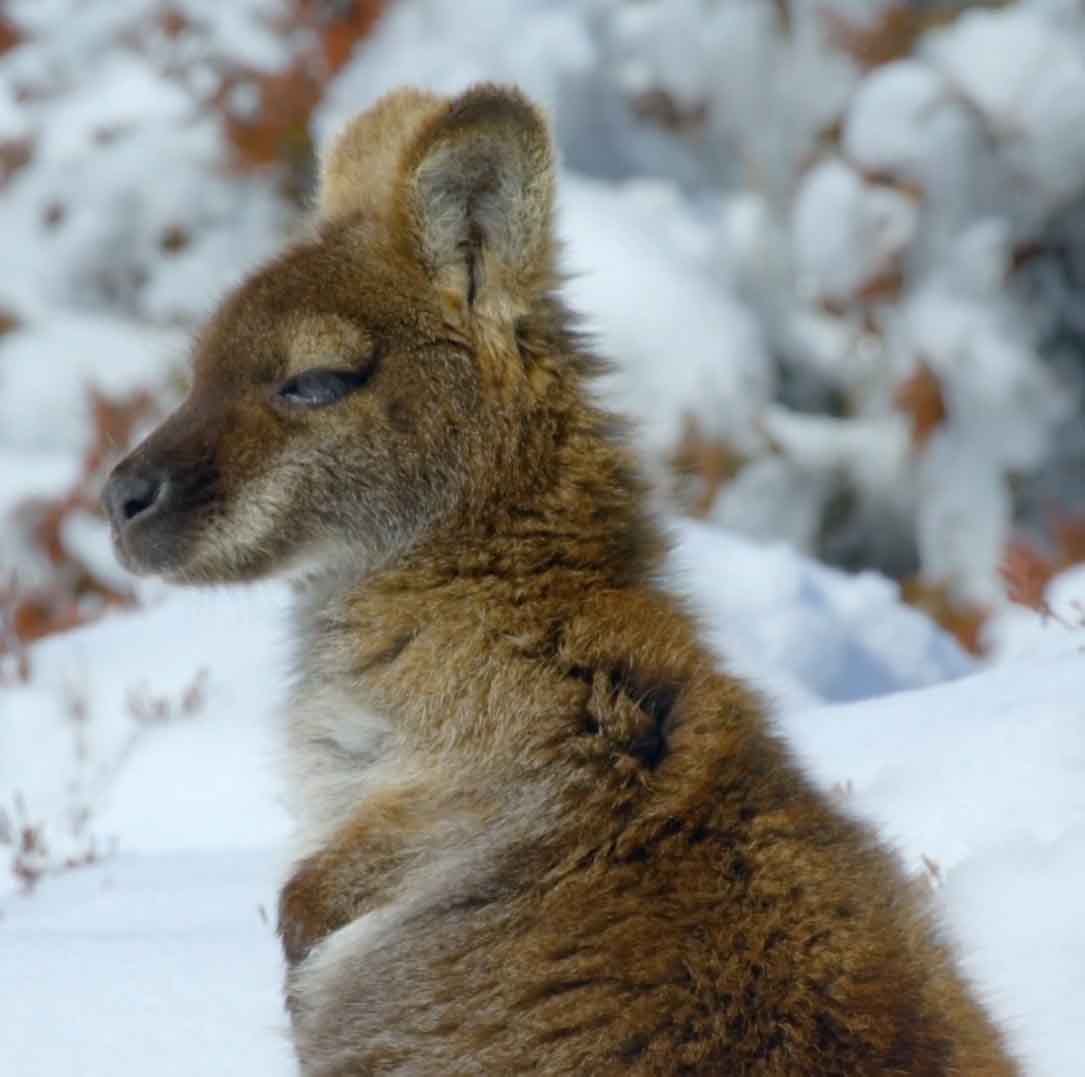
(490,103)
(364,151)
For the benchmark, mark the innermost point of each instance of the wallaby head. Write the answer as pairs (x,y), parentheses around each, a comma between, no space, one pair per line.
(383,378)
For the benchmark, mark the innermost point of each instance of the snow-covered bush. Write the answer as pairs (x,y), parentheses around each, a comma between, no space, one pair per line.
(893,176)
(150,153)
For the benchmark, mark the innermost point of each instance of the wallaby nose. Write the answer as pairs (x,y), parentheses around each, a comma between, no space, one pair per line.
(129,496)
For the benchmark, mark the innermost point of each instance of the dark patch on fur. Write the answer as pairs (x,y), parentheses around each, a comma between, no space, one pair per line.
(932,1057)
(739,869)
(633,1047)
(584,674)
(656,699)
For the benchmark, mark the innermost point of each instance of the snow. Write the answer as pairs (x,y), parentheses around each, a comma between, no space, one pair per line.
(59,360)
(984,777)
(160,962)
(1026,77)
(101,102)
(893,116)
(803,632)
(700,355)
(847,233)
(118,688)
(1017,633)
(441,47)
(161,952)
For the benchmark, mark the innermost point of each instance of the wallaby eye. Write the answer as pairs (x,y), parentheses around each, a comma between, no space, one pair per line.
(318,388)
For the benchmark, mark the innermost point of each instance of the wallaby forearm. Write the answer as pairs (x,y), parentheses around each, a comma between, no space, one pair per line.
(354,872)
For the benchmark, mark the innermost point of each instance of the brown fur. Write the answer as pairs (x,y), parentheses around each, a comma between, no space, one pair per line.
(542,832)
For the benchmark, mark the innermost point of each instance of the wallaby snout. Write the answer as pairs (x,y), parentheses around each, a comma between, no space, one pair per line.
(158,496)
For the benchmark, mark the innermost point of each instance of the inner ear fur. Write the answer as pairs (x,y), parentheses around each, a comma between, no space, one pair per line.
(476,195)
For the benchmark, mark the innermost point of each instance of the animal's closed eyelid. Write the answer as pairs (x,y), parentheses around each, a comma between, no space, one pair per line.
(322,386)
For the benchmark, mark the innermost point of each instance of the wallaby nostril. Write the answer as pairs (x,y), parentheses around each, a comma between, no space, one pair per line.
(133,506)
(138,496)
(129,496)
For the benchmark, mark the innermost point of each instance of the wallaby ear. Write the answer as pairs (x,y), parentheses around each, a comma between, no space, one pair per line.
(476,198)
(360,173)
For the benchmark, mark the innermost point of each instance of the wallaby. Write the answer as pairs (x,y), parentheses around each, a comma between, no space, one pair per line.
(540,830)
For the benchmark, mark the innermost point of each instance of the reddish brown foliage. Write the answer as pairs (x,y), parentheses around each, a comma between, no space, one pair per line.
(172,23)
(74,595)
(43,615)
(888,279)
(14,656)
(32,857)
(920,397)
(709,461)
(666,111)
(174,239)
(115,421)
(892,33)
(341,32)
(29,852)
(8,321)
(272,132)
(1026,252)
(15,154)
(149,709)
(10,35)
(1026,573)
(887,36)
(276,130)
(962,620)
(887,284)
(1070,540)
(909,188)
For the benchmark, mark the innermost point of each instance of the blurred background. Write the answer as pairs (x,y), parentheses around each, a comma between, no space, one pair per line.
(835,248)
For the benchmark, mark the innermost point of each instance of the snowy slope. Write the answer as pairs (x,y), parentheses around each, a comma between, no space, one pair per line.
(985,778)
(159,963)
(161,956)
(146,744)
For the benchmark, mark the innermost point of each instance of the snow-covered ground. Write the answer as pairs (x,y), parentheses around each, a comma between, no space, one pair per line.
(796,243)
(147,744)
